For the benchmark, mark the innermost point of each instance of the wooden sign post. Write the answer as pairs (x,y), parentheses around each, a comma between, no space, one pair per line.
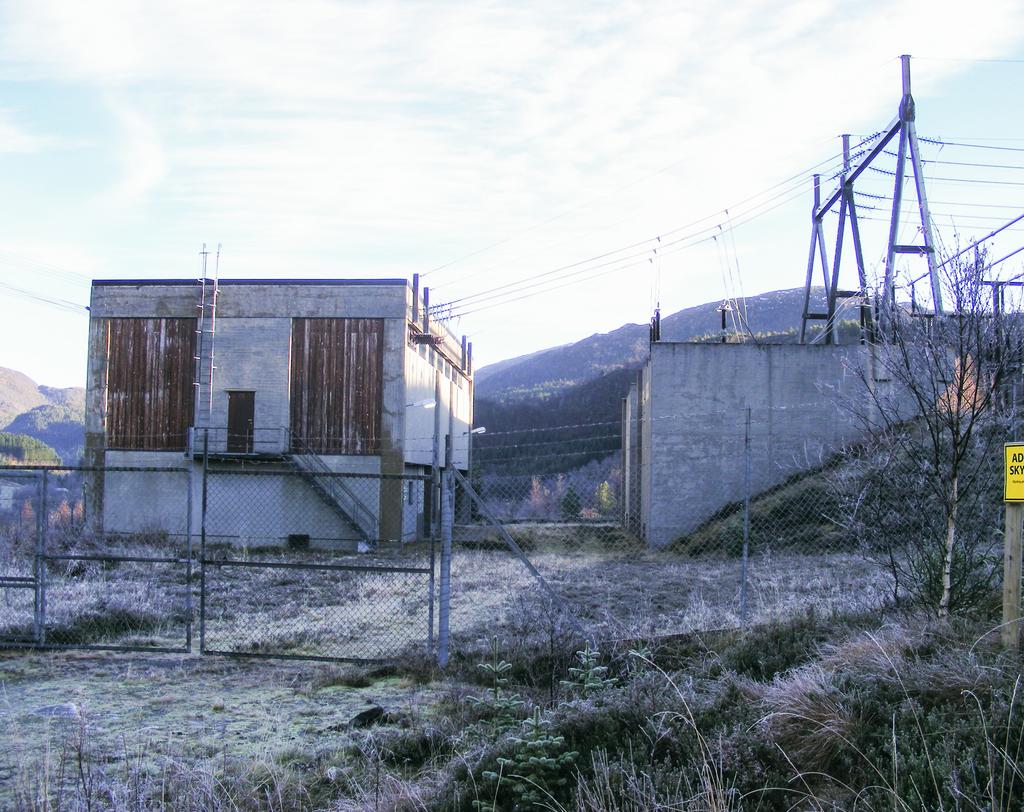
(1013,496)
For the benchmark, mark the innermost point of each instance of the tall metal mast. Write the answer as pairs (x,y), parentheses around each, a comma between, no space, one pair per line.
(904,127)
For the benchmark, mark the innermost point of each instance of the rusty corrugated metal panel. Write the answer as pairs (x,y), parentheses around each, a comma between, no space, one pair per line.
(150,373)
(337,372)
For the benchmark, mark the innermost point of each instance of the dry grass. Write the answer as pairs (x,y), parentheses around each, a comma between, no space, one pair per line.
(179,732)
(613,587)
(652,594)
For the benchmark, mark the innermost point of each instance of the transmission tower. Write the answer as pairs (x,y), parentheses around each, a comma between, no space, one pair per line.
(904,127)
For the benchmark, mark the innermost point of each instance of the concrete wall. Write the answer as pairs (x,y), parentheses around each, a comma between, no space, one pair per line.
(693,401)
(453,414)
(263,510)
(245,509)
(630,497)
(252,299)
(145,501)
(643,452)
(253,354)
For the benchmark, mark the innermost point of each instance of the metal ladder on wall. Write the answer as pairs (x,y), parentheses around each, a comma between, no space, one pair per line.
(206,330)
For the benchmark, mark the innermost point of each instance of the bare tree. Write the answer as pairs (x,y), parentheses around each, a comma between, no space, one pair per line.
(934,413)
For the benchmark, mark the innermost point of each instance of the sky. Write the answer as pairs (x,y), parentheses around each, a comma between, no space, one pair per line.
(479,144)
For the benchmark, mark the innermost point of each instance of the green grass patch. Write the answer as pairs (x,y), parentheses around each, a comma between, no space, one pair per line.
(798,515)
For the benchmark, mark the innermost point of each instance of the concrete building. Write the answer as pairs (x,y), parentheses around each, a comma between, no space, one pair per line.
(274,384)
(684,423)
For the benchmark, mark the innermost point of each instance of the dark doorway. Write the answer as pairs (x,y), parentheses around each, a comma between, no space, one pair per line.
(241,413)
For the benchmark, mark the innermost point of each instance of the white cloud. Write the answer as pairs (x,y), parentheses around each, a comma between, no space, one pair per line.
(15,138)
(392,137)
(139,154)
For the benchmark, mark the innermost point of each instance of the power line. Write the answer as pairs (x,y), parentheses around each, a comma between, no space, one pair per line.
(63,304)
(535,285)
(690,242)
(945,179)
(802,174)
(651,242)
(960,163)
(976,243)
(788,182)
(942,143)
(979,59)
(19,261)
(552,219)
(1003,259)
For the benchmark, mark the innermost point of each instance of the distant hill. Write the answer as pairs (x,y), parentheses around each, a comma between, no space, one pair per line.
(18,449)
(55,417)
(541,374)
(18,393)
(528,435)
(558,410)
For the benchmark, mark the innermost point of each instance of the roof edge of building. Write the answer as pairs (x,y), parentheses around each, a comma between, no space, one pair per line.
(226,282)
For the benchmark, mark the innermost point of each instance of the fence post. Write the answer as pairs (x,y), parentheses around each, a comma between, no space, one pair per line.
(202,545)
(447,521)
(435,502)
(188,543)
(1011,576)
(431,585)
(41,539)
(746,521)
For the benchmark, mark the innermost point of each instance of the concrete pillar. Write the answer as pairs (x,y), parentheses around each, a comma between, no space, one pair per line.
(94,455)
(392,458)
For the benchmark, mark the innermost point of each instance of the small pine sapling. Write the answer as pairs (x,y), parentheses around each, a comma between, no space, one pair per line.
(641,658)
(536,774)
(589,677)
(503,708)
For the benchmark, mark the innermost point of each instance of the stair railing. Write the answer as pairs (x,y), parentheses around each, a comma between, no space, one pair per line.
(346,499)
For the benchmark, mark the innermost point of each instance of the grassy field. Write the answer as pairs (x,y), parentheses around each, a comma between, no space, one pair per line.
(862,711)
(610,584)
(141,731)
(102,726)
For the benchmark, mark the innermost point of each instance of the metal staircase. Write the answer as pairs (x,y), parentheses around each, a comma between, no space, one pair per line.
(332,489)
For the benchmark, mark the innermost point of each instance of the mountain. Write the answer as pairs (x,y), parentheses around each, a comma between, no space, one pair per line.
(18,393)
(540,374)
(567,430)
(53,416)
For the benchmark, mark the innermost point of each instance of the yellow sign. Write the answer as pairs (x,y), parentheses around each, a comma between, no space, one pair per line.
(1013,472)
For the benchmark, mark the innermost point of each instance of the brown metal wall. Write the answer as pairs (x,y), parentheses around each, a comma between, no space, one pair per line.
(150,375)
(337,372)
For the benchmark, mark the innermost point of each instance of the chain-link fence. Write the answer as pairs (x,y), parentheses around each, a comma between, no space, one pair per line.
(268,559)
(261,560)
(315,565)
(759,525)
(67,586)
(20,520)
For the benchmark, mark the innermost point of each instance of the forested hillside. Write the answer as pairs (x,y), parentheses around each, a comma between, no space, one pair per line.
(55,417)
(572,427)
(20,449)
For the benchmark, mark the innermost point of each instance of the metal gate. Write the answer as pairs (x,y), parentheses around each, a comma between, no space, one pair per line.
(306,563)
(19,576)
(264,562)
(60,587)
